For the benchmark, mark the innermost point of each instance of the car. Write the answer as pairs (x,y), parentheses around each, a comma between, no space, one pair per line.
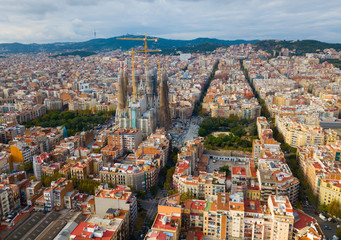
(335,237)
(327,227)
(322,217)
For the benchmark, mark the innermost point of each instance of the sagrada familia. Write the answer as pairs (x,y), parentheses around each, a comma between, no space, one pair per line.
(148,107)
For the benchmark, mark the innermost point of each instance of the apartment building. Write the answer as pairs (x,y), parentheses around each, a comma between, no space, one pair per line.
(115,225)
(329,190)
(32,189)
(192,215)
(319,163)
(282,217)
(298,134)
(216,217)
(129,139)
(204,186)
(6,200)
(275,178)
(187,160)
(80,170)
(53,196)
(119,197)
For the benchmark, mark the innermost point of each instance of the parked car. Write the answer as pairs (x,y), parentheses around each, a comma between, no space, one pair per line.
(327,227)
(322,217)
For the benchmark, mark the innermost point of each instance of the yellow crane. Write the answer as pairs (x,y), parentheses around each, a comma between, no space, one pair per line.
(146,51)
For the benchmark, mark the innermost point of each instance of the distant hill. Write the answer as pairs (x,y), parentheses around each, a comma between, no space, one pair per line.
(107,44)
(335,62)
(75,53)
(167,45)
(301,47)
(199,48)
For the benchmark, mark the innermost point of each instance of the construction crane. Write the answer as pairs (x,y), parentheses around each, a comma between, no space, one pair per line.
(146,50)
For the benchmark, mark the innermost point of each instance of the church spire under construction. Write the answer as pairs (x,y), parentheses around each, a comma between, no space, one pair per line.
(165,117)
(122,94)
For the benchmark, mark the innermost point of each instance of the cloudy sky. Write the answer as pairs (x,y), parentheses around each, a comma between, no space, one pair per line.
(44,21)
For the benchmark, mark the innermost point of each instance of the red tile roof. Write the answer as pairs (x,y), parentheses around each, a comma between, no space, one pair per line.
(80,232)
(303,220)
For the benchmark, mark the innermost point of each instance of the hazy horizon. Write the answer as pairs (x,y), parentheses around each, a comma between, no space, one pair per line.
(47,21)
(165,38)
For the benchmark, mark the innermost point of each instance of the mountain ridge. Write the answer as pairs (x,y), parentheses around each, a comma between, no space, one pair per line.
(300,46)
(168,45)
(113,43)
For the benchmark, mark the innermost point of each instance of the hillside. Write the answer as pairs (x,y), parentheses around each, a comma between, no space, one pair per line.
(199,48)
(107,44)
(75,53)
(302,47)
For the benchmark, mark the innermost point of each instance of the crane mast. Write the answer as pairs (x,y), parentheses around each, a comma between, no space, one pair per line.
(145,51)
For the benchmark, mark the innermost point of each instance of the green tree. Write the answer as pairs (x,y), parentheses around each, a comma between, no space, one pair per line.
(298,205)
(338,232)
(172,192)
(87,186)
(5,171)
(322,208)
(74,121)
(186,195)
(111,185)
(97,150)
(32,178)
(169,178)
(153,190)
(334,208)
(46,180)
(141,194)
(26,166)
(225,169)
(202,132)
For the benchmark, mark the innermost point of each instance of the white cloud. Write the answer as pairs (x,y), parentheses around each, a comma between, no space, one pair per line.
(75,20)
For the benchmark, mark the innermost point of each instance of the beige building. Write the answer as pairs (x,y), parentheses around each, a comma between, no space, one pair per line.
(297,134)
(330,190)
(282,217)
(119,197)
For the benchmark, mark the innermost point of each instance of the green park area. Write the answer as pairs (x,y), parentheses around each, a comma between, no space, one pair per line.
(230,134)
(74,121)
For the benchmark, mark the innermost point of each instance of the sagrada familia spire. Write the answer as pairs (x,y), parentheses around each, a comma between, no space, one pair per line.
(148,111)
(125,87)
(165,117)
(122,93)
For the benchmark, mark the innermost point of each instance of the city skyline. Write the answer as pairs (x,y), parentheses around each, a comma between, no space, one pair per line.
(66,21)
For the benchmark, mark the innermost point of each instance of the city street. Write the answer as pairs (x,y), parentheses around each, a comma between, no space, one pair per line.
(192,131)
(328,233)
(151,204)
